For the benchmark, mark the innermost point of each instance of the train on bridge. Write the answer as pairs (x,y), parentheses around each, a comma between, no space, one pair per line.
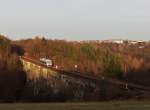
(47,62)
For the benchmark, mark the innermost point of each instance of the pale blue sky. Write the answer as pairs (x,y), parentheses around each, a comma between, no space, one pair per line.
(76,19)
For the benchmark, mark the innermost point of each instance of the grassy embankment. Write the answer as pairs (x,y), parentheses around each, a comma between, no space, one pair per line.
(119,105)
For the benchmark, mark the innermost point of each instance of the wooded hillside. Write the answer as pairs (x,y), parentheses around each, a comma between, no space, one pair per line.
(123,61)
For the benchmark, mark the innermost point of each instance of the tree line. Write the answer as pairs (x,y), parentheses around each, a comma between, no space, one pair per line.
(99,59)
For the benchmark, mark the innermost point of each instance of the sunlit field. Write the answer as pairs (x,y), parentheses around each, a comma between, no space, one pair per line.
(116,105)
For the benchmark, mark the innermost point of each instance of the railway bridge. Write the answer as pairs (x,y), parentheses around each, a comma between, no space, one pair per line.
(75,84)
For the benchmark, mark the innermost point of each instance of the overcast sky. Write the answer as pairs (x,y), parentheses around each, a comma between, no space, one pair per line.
(76,19)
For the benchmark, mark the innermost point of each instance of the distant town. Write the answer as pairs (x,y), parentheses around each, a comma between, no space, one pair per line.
(117,41)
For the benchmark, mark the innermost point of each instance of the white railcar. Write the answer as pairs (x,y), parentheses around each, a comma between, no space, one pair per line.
(46,62)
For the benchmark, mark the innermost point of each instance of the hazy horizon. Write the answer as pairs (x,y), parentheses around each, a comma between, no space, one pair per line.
(76,19)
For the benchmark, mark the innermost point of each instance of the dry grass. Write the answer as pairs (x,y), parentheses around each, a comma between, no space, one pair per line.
(115,105)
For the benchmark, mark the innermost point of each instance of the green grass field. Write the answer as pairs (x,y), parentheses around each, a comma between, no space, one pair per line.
(116,105)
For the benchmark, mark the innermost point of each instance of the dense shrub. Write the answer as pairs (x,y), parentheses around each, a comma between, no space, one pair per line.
(12,76)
